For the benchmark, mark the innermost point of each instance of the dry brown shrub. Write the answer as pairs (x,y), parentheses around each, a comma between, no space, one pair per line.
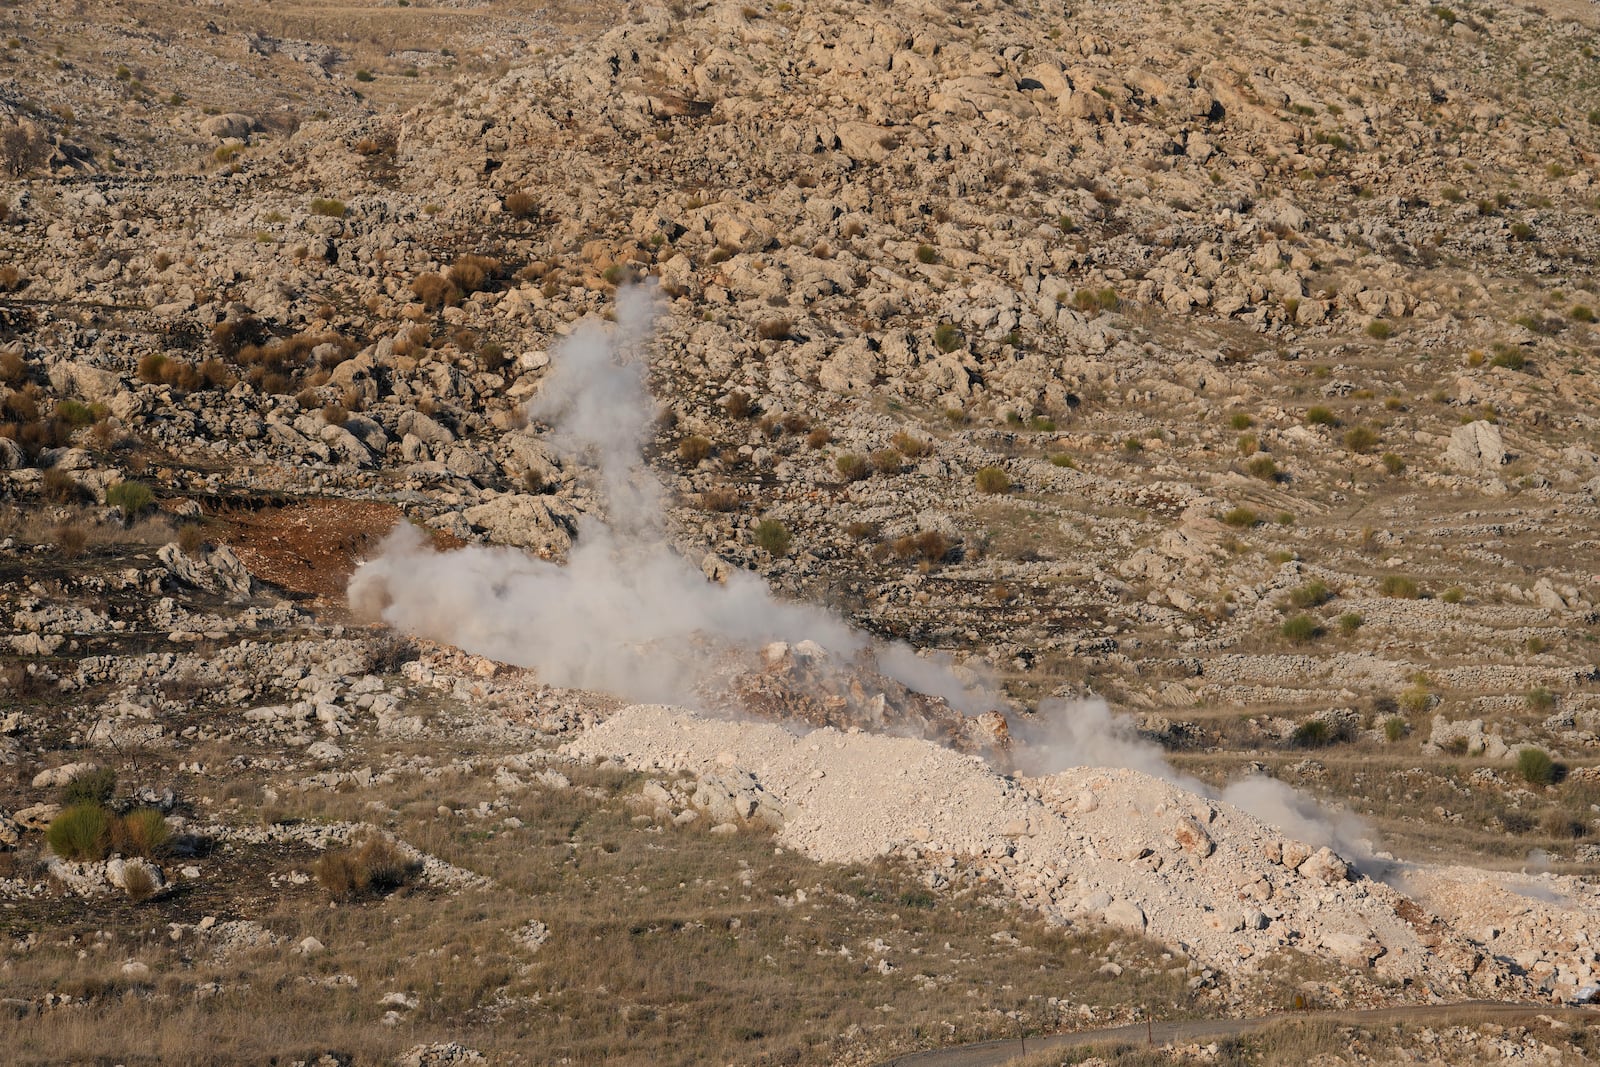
(694,449)
(929,545)
(434,289)
(13,368)
(335,414)
(10,279)
(739,405)
(521,205)
(720,498)
(470,273)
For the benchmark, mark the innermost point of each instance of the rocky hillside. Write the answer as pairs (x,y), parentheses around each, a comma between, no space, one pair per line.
(1226,363)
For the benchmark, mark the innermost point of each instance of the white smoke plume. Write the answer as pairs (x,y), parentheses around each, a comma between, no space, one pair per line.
(627,615)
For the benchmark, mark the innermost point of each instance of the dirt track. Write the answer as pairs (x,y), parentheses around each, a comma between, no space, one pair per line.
(990,1053)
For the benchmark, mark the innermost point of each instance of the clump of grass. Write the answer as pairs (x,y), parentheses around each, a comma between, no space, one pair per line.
(434,289)
(739,405)
(1350,622)
(992,480)
(374,866)
(1393,463)
(1241,518)
(851,466)
(694,449)
(1241,421)
(1395,728)
(1454,595)
(130,498)
(1540,700)
(887,461)
(521,205)
(1312,594)
(328,207)
(141,832)
(910,445)
(946,338)
(1263,467)
(1379,330)
(1536,767)
(81,833)
(929,545)
(1313,733)
(1319,415)
(1399,586)
(1361,439)
(927,254)
(818,436)
(94,786)
(1300,629)
(773,536)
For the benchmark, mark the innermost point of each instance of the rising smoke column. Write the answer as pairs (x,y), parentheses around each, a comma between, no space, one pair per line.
(627,615)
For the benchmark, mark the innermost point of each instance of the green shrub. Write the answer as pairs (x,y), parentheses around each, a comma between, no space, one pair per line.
(1582,313)
(130,498)
(1536,767)
(1541,700)
(1361,439)
(1300,629)
(993,480)
(142,832)
(1240,421)
(80,833)
(1454,595)
(946,338)
(1399,586)
(95,786)
(1263,467)
(1393,463)
(74,413)
(926,254)
(1310,595)
(1313,733)
(1061,459)
(364,75)
(1395,728)
(328,207)
(1241,518)
(1416,699)
(1379,330)
(1321,416)
(1509,358)
(852,467)
(1350,622)
(773,536)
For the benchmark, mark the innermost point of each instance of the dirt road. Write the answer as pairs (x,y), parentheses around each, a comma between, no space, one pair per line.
(992,1053)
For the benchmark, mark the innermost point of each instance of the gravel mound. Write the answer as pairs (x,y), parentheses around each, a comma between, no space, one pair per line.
(1114,845)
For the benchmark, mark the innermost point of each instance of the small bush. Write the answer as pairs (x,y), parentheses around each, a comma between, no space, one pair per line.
(910,445)
(471,273)
(887,461)
(80,833)
(1416,699)
(926,254)
(1321,416)
(327,207)
(375,866)
(95,786)
(1379,330)
(1582,313)
(1062,459)
(773,536)
(720,498)
(775,329)
(1393,463)
(818,436)
(739,405)
(1300,629)
(1240,518)
(138,882)
(1361,439)
(992,480)
(130,498)
(1350,622)
(1313,594)
(142,832)
(1454,595)
(335,414)
(929,545)
(946,338)
(1509,358)
(1534,765)
(521,205)
(1263,467)
(1395,728)
(852,467)
(1240,421)
(1399,586)
(434,289)
(1313,733)
(1541,701)
(694,449)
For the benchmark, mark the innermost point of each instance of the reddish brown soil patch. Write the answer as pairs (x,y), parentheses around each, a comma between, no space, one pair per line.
(312,547)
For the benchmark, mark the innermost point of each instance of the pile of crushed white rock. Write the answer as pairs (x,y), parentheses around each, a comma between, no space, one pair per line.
(1137,852)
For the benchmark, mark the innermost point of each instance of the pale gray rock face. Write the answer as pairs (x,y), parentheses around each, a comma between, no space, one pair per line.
(1476,447)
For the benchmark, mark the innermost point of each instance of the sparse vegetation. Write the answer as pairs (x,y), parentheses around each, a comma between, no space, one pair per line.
(993,480)
(80,833)
(773,537)
(1300,629)
(1241,518)
(1399,586)
(1536,767)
